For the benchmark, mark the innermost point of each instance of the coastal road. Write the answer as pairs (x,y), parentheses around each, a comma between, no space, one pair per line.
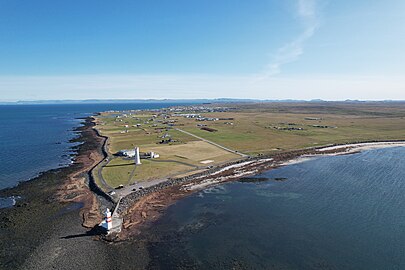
(145,184)
(215,144)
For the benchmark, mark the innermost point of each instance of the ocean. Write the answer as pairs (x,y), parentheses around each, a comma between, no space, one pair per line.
(35,138)
(337,212)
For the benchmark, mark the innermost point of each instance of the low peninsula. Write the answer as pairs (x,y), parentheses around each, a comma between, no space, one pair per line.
(183,149)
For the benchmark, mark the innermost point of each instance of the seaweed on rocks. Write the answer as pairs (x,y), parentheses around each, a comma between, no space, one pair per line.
(25,227)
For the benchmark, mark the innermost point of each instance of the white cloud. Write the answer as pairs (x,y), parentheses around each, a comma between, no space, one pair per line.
(307,11)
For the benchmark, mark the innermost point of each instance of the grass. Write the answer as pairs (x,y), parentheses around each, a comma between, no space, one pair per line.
(193,152)
(156,170)
(118,171)
(173,160)
(137,136)
(252,132)
(182,156)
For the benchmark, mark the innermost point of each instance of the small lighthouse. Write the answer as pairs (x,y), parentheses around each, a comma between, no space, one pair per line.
(137,156)
(107,225)
(108,220)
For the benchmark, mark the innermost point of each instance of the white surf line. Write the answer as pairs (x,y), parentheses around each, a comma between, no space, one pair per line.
(369,145)
(212,179)
(210,142)
(242,164)
(238,165)
(351,148)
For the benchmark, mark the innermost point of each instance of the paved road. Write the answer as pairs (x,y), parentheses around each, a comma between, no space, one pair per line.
(210,142)
(145,184)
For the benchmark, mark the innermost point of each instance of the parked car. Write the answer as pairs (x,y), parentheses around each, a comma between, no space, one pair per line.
(119,187)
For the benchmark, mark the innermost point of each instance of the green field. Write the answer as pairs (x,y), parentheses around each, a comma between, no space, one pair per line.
(260,128)
(253,132)
(118,171)
(181,156)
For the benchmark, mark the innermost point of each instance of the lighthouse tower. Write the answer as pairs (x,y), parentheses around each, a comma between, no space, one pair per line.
(108,220)
(137,156)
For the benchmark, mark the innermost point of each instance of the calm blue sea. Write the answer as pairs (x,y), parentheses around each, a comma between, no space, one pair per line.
(342,212)
(35,138)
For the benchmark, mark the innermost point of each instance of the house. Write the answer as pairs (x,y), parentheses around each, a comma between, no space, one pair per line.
(150,155)
(127,153)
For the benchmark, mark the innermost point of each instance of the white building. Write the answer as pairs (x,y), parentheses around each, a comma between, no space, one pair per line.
(153,155)
(127,153)
(134,153)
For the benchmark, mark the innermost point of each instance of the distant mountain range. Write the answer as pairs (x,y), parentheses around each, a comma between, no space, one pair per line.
(118,101)
(196,101)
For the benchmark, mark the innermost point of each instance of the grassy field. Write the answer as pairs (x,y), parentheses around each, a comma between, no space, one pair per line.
(156,169)
(193,152)
(255,132)
(181,156)
(254,129)
(136,136)
(118,171)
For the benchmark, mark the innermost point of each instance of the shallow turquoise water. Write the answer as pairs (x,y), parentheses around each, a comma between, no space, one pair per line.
(342,212)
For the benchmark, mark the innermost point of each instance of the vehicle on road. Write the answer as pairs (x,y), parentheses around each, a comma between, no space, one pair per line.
(119,187)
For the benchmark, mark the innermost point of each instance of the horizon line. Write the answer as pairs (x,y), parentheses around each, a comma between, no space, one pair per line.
(219,99)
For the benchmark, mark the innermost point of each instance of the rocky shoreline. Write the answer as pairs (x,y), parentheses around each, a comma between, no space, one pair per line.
(48,199)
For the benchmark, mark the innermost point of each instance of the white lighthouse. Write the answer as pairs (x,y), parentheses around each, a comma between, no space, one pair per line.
(108,220)
(137,156)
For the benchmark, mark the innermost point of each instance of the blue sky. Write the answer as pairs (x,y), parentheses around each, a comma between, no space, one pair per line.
(299,49)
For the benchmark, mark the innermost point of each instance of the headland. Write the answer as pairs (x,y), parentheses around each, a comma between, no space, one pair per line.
(183,149)
(200,146)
